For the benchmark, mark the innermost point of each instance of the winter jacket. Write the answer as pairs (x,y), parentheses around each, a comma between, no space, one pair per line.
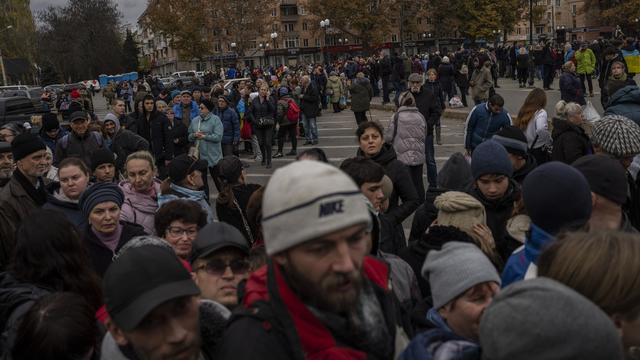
(71,210)
(570,142)
(194,111)
(230,125)
(156,132)
(180,136)
(481,82)
(482,124)
(83,147)
(198,196)
(282,107)
(435,88)
(446,74)
(310,101)
(361,94)
(586,60)
(262,109)
(397,70)
(211,145)
(16,203)
(520,174)
(455,175)
(522,61)
(51,143)
(139,208)
(281,326)
(403,189)
(100,255)
(409,135)
(231,215)
(125,143)
(335,88)
(429,106)
(625,102)
(522,263)
(498,212)
(16,298)
(571,88)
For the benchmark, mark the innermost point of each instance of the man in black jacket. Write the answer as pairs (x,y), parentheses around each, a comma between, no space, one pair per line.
(398,77)
(428,105)
(123,141)
(153,126)
(80,142)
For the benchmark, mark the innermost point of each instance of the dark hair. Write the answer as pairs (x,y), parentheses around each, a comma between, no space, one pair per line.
(187,211)
(314,153)
(496,99)
(362,170)
(49,253)
(367,125)
(149,97)
(74,161)
(254,214)
(58,326)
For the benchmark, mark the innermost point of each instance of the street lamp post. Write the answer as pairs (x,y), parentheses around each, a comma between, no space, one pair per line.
(324,24)
(264,47)
(496,35)
(4,74)
(274,37)
(233,50)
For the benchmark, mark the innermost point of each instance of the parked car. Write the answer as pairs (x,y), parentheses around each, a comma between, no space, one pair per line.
(186,82)
(32,93)
(18,109)
(228,84)
(182,74)
(166,81)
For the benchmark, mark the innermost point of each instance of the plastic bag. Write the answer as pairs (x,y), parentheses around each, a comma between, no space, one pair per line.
(455,102)
(343,102)
(590,113)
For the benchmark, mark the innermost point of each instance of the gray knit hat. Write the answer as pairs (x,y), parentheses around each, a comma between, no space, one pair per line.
(617,135)
(456,268)
(308,199)
(544,319)
(99,193)
(415,77)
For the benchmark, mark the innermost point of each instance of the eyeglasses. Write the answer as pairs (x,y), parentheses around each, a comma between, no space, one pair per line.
(218,267)
(176,231)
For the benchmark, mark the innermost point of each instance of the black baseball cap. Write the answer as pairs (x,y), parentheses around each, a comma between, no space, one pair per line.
(216,236)
(142,279)
(230,168)
(78,115)
(183,165)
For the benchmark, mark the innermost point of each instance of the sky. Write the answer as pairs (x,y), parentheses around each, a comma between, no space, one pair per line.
(130,9)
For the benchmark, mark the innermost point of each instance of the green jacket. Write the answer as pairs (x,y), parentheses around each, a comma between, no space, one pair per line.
(335,84)
(586,61)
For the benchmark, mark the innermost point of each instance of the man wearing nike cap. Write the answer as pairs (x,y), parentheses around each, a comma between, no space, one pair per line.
(153,306)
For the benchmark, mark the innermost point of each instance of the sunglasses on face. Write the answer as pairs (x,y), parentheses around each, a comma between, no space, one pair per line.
(218,267)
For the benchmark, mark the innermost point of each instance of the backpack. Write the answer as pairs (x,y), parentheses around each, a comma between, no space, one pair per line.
(293,112)
(64,141)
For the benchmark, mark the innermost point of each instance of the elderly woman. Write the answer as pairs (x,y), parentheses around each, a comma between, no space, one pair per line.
(141,190)
(361,95)
(9,131)
(570,85)
(63,196)
(105,233)
(570,142)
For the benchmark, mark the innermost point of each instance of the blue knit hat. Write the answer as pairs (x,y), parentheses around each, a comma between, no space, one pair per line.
(99,193)
(283,91)
(490,157)
(557,196)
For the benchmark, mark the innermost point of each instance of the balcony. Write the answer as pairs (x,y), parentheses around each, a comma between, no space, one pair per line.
(289,12)
(289,2)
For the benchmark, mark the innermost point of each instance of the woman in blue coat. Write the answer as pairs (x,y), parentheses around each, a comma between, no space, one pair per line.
(231,125)
(206,132)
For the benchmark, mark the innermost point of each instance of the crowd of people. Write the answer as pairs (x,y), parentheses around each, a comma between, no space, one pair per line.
(524,245)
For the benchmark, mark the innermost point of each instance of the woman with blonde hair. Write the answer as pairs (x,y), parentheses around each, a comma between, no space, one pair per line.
(141,190)
(604,267)
(570,141)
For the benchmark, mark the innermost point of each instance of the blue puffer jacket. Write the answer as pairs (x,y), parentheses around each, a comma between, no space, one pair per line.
(625,102)
(195,110)
(440,343)
(526,256)
(231,125)
(51,143)
(482,124)
(571,88)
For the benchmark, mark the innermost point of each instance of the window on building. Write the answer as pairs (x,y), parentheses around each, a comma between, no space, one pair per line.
(408,36)
(419,21)
(217,46)
(539,29)
(252,44)
(317,42)
(288,27)
(428,20)
(291,42)
(557,3)
(394,38)
(518,31)
(305,26)
(274,12)
(300,10)
(305,42)
(274,27)
(574,9)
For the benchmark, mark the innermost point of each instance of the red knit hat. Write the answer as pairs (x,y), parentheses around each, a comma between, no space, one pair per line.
(75,94)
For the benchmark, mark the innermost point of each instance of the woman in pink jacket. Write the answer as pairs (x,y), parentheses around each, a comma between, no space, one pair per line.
(141,190)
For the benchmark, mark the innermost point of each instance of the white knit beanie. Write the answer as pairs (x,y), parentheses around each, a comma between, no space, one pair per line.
(306,200)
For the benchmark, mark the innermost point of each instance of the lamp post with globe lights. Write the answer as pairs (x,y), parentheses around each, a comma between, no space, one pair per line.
(274,37)
(324,25)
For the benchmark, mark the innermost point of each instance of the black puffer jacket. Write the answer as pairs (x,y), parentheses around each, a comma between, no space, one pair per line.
(83,147)
(498,213)
(101,256)
(156,132)
(520,174)
(570,142)
(403,189)
(16,298)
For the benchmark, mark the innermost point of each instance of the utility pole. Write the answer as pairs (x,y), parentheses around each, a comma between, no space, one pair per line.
(4,75)
(530,22)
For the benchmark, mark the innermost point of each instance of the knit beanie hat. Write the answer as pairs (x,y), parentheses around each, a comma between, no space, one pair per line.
(102,156)
(490,158)
(283,91)
(50,122)
(26,144)
(456,268)
(114,119)
(99,193)
(617,135)
(544,319)
(318,198)
(513,140)
(460,210)
(208,104)
(605,175)
(557,196)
